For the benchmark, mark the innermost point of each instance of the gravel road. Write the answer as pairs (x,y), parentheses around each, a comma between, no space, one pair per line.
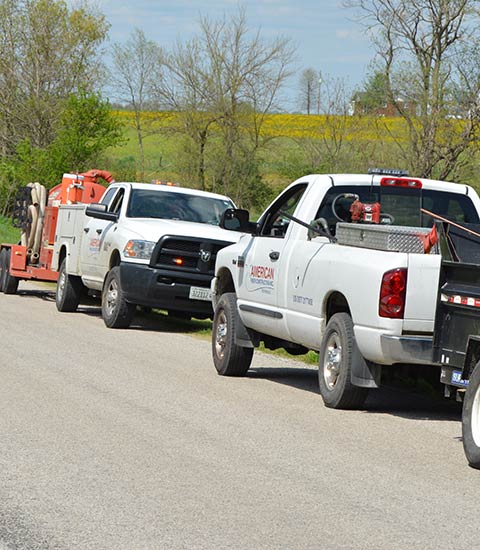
(127,439)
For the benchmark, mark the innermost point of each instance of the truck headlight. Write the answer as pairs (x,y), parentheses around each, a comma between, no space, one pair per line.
(140,250)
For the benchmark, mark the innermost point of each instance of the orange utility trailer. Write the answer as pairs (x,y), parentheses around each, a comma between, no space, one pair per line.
(36,214)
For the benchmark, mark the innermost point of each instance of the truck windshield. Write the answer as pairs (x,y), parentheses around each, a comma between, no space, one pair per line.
(402,204)
(159,204)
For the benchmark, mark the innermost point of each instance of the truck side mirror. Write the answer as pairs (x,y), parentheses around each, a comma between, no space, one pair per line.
(237,219)
(99,211)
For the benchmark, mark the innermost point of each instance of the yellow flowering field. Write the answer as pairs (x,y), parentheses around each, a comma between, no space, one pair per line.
(300,126)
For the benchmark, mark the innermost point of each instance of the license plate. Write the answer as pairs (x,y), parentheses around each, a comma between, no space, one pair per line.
(199,293)
(457,378)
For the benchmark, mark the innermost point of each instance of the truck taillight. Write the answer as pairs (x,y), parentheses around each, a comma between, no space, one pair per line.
(392,294)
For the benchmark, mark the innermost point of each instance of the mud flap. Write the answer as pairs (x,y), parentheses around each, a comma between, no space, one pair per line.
(242,338)
(365,374)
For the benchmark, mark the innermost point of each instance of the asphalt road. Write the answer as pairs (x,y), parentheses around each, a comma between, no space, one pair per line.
(127,439)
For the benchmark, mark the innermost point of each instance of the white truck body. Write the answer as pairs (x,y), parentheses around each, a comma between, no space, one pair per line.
(127,233)
(288,285)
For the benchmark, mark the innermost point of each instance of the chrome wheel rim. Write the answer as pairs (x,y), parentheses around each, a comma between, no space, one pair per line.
(111,297)
(476,417)
(61,284)
(332,361)
(221,332)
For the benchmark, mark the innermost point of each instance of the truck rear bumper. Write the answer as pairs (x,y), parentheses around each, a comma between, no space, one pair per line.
(163,289)
(407,349)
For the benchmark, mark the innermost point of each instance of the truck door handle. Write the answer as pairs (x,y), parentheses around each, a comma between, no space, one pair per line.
(274,255)
(98,231)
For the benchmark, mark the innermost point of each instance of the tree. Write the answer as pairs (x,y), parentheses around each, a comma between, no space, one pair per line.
(87,127)
(374,96)
(47,52)
(85,130)
(429,54)
(224,82)
(51,118)
(137,67)
(310,89)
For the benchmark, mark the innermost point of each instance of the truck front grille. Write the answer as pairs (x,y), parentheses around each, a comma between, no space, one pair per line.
(186,254)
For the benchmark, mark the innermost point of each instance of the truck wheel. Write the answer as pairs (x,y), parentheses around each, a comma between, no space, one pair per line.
(471,419)
(69,290)
(10,283)
(229,358)
(2,268)
(338,353)
(116,311)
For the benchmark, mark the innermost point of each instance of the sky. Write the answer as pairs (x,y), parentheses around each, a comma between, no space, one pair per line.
(326,35)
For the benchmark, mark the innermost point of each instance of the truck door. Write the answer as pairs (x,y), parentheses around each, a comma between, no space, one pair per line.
(107,233)
(261,263)
(305,284)
(96,232)
(307,271)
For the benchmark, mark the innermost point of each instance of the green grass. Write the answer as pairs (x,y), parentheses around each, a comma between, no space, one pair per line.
(8,233)
(160,150)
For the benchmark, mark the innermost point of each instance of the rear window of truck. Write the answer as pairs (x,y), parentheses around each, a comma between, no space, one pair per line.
(404,205)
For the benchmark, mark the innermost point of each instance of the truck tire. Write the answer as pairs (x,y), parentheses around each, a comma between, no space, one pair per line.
(69,290)
(2,267)
(10,283)
(338,352)
(116,311)
(229,358)
(471,419)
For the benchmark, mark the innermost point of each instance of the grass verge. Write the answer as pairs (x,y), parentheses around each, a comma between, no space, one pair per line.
(8,233)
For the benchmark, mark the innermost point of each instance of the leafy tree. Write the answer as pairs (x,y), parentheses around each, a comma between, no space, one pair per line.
(429,54)
(47,52)
(374,96)
(51,119)
(87,128)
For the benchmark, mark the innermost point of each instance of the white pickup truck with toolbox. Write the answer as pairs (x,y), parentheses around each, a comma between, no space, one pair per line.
(144,245)
(346,265)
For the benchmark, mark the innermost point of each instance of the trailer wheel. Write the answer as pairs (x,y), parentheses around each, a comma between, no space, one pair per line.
(2,267)
(69,290)
(338,352)
(10,283)
(116,311)
(471,419)
(229,358)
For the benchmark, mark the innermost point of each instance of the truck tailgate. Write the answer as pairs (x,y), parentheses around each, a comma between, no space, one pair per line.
(422,289)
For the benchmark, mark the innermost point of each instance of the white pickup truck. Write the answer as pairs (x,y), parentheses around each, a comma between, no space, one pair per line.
(142,244)
(361,294)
